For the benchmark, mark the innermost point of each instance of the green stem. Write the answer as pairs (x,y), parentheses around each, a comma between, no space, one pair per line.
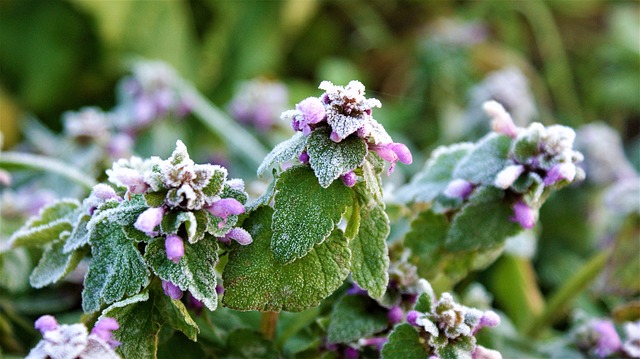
(234,136)
(567,292)
(43,163)
(268,324)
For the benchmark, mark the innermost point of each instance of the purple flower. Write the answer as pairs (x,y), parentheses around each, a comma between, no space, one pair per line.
(304,157)
(481,352)
(46,323)
(174,245)
(608,341)
(194,304)
(393,152)
(349,179)
(395,315)
(506,177)
(132,179)
(523,214)
(239,235)
(351,353)
(377,342)
(559,172)
(103,192)
(149,219)
(502,122)
(312,110)
(458,188)
(489,319)
(335,137)
(412,317)
(171,290)
(226,207)
(356,290)
(104,330)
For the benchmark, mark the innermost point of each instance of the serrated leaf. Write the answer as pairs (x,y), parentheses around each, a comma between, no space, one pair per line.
(482,164)
(354,317)
(117,267)
(57,210)
(425,239)
(330,160)
(370,255)
(284,151)
(371,168)
(255,280)
(305,213)
(54,264)
(48,225)
(216,182)
(404,342)
(194,272)
(483,223)
(434,178)
(461,348)
(140,318)
(155,199)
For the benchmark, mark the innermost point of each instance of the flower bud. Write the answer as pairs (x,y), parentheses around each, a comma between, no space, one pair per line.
(402,153)
(171,290)
(412,317)
(149,219)
(239,235)
(46,323)
(458,188)
(174,245)
(506,177)
(104,330)
(304,157)
(502,122)
(395,315)
(523,214)
(559,172)
(349,179)
(225,207)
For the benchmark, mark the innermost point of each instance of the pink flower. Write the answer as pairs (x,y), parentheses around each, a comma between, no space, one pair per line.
(502,122)
(523,214)
(46,323)
(458,188)
(174,245)
(239,235)
(395,315)
(149,219)
(349,179)
(104,330)
(393,152)
(559,172)
(171,290)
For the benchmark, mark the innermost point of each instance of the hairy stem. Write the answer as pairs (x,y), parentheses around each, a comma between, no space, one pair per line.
(268,324)
(26,160)
(567,292)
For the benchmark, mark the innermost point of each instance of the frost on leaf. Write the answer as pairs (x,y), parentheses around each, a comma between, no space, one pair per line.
(354,317)
(195,272)
(370,255)
(431,181)
(47,226)
(305,213)
(404,342)
(285,151)
(482,164)
(330,160)
(255,280)
(141,317)
(54,264)
(117,268)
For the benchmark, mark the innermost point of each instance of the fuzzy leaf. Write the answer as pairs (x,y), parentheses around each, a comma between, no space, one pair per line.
(255,280)
(483,223)
(370,256)
(195,224)
(330,160)
(482,164)
(461,348)
(79,235)
(48,225)
(54,264)
(141,317)
(194,272)
(284,151)
(436,175)
(155,199)
(426,237)
(57,210)
(404,342)
(354,317)
(117,268)
(371,169)
(305,213)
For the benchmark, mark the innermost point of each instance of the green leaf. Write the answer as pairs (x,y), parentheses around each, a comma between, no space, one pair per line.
(140,318)
(54,264)
(354,317)
(247,344)
(195,224)
(265,198)
(483,223)
(255,280)
(425,239)
(371,169)
(329,159)
(461,348)
(285,151)
(194,272)
(79,235)
(305,213)
(404,342)
(482,164)
(117,268)
(436,175)
(155,199)
(370,256)
(48,226)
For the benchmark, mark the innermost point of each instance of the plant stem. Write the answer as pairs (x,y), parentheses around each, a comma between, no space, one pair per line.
(268,324)
(27,160)
(567,292)
(234,136)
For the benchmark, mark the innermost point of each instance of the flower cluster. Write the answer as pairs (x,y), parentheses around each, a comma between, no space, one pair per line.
(149,94)
(444,322)
(195,194)
(599,338)
(259,103)
(64,341)
(539,158)
(346,112)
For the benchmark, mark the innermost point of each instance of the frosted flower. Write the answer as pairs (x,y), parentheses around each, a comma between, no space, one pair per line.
(501,120)
(598,337)
(523,215)
(258,103)
(349,179)
(561,172)
(506,177)
(129,173)
(239,235)
(99,195)
(174,246)
(149,219)
(88,122)
(393,152)
(631,345)
(458,188)
(73,341)
(224,208)
(171,290)
(483,353)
